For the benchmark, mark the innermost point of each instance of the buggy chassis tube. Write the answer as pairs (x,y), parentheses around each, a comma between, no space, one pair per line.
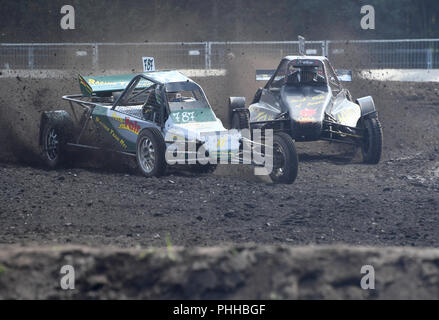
(75,145)
(269,121)
(89,107)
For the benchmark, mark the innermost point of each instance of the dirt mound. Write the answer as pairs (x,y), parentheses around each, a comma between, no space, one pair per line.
(236,272)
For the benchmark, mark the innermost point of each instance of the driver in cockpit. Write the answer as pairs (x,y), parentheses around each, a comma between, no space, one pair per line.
(174,97)
(304,75)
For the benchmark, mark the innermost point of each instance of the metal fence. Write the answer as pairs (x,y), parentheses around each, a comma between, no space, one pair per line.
(356,54)
(385,54)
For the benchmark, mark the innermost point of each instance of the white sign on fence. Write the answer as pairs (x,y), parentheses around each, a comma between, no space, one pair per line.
(148,64)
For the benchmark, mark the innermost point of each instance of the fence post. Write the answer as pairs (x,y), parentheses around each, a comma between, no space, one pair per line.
(95,61)
(326,48)
(208,54)
(429,58)
(30,57)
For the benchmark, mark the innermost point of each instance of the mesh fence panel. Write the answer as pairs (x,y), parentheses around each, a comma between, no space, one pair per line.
(166,55)
(42,56)
(222,52)
(397,54)
(368,54)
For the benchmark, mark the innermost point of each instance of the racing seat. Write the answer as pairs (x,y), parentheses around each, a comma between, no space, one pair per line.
(151,109)
(294,78)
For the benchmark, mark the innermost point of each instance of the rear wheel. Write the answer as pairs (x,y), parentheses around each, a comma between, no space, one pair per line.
(150,153)
(285,159)
(372,140)
(53,143)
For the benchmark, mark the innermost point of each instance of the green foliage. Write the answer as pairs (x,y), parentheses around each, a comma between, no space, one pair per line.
(2,269)
(169,247)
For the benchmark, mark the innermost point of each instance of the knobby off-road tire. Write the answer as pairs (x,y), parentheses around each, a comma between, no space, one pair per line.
(150,153)
(285,159)
(240,120)
(373,140)
(54,141)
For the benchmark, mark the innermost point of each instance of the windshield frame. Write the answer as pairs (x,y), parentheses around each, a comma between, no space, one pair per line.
(185,86)
(132,86)
(297,63)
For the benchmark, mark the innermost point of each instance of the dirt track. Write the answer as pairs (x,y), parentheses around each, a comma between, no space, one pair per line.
(104,202)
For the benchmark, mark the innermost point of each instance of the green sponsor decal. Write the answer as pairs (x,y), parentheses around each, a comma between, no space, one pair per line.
(101,84)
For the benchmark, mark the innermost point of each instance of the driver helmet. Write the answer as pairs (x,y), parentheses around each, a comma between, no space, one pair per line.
(174,97)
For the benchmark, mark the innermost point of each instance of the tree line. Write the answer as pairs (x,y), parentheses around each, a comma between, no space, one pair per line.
(215,20)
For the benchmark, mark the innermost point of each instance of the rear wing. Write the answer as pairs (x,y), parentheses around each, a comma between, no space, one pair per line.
(265,75)
(103,86)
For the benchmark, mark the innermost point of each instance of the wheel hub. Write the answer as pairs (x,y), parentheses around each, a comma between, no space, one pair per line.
(279,161)
(147,155)
(52,143)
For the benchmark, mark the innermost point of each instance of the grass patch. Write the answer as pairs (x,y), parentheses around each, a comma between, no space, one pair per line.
(2,269)
(169,247)
(142,255)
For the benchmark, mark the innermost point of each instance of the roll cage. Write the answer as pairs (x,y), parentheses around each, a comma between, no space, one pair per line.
(159,89)
(158,102)
(88,103)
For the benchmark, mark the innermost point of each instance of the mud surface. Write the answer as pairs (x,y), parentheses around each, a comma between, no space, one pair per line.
(394,203)
(231,272)
(100,200)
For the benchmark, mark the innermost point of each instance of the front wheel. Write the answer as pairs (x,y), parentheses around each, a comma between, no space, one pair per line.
(150,153)
(240,120)
(285,159)
(238,115)
(372,143)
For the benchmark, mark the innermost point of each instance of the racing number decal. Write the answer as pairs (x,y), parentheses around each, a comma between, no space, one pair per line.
(148,64)
(184,116)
